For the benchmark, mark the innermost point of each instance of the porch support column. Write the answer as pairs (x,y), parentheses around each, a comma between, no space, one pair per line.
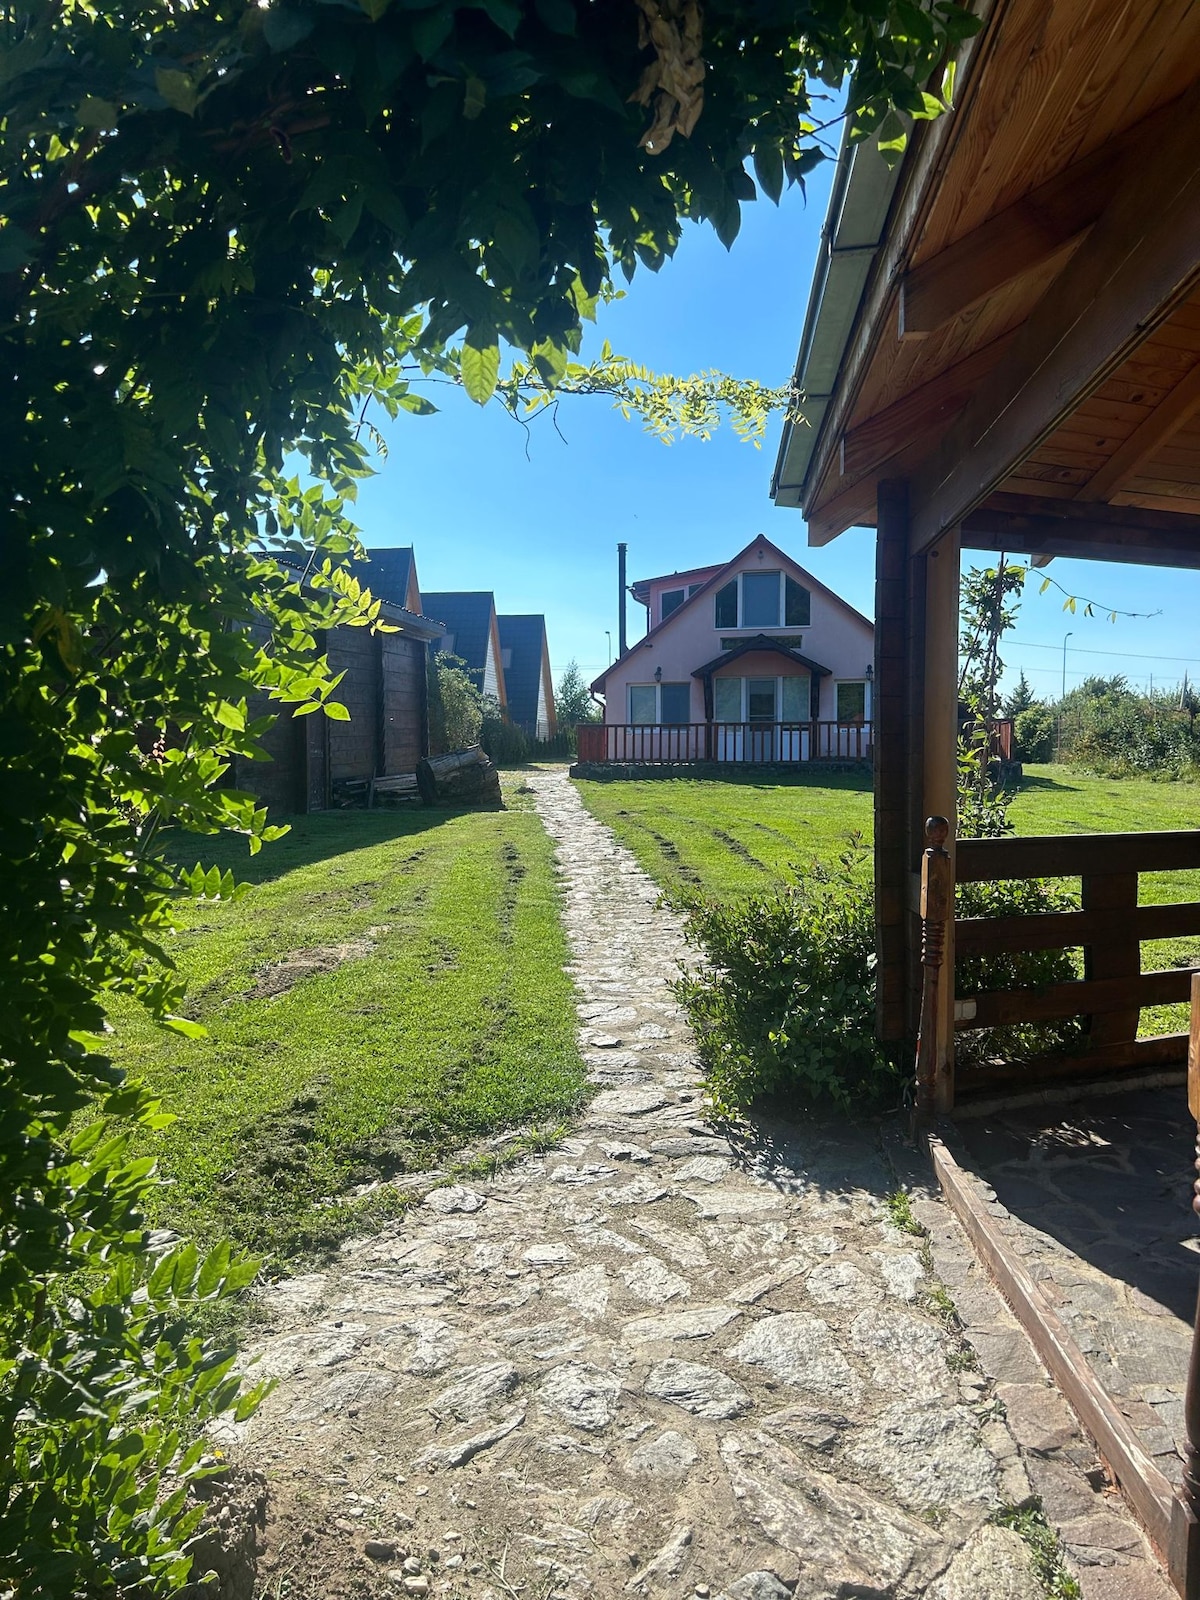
(940,761)
(897,753)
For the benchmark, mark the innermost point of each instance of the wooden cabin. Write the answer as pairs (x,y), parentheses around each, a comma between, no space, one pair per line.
(1002,352)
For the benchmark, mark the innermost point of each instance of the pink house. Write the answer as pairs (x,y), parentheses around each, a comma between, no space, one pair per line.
(755,660)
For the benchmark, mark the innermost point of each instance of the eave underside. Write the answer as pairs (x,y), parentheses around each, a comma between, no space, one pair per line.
(1031,333)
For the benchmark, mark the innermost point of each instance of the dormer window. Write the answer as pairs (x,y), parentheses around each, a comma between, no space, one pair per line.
(671,600)
(762,600)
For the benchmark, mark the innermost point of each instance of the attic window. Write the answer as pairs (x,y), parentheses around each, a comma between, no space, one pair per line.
(727,606)
(797,604)
(671,600)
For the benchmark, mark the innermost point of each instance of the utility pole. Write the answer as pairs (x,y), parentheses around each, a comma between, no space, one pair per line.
(622,641)
(1066,636)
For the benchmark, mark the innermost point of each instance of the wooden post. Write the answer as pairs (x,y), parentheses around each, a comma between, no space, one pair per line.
(937,888)
(1185,1524)
(1120,956)
(940,767)
(892,753)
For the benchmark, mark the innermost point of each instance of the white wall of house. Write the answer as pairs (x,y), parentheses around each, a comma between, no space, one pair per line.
(491,667)
(835,636)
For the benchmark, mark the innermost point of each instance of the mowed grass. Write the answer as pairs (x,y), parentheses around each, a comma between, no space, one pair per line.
(390,990)
(730,838)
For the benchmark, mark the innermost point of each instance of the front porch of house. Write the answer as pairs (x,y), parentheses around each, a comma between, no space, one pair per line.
(738,743)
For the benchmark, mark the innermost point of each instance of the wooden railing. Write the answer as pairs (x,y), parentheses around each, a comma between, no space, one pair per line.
(1110,928)
(747,743)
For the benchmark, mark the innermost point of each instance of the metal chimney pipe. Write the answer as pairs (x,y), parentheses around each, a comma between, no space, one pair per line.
(621,591)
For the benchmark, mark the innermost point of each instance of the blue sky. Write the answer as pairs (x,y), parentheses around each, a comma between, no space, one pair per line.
(542,532)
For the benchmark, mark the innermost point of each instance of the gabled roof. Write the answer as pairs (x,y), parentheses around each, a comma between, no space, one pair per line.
(388,582)
(719,576)
(640,590)
(468,615)
(762,642)
(525,638)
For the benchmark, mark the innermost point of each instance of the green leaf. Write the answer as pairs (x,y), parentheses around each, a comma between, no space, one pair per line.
(481,364)
(96,113)
(375,8)
(768,169)
(558,15)
(430,32)
(185,1027)
(474,97)
(335,711)
(16,248)
(177,89)
(231,716)
(285,26)
(892,138)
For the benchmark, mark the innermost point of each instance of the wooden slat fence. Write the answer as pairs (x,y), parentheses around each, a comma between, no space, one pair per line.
(744,743)
(1110,929)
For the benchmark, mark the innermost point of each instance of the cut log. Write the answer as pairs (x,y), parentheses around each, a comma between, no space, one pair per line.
(462,778)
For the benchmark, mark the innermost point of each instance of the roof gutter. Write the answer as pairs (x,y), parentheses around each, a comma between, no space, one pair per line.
(855,223)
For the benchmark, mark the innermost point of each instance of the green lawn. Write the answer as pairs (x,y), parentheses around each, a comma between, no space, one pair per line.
(391,989)
(731,837)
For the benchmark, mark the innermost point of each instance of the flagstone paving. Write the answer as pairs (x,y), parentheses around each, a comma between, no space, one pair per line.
(658,1361)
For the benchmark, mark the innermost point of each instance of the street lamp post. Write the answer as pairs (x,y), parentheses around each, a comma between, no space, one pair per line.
(608,636)
(1066,636)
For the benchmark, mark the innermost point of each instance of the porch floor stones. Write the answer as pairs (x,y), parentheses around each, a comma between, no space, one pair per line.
(1096,1195)
(657,1361)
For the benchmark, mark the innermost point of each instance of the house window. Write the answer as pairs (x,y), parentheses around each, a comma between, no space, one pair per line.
(794,694)
(671,600)
(851,702)
(643,702)
(675,702)
(651,703)
(446,644)
(506,659)
(727,699)
(760,699)
(797,604)
(760,600)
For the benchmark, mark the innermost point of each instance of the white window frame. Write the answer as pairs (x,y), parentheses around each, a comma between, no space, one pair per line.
(658,689)
(744,697)
(757,627)
(866,686)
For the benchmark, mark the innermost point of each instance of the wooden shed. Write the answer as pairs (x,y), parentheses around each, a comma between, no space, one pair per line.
(1002,352)
(316,762)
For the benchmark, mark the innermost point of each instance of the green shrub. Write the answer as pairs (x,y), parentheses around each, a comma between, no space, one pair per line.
(505,743)
(785,1003)
(1033,734)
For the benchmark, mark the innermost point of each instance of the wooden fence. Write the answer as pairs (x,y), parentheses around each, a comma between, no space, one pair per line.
(745,743)
(1110,928)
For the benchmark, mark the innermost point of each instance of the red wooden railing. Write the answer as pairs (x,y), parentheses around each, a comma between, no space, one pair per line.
(745,743)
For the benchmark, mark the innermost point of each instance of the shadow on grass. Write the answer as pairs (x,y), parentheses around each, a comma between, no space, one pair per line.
(1028,785)
(310,839)
(857,779)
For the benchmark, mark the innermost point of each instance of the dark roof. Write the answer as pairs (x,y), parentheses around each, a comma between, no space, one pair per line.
(387,572)
(762,641)
(468,616)
(525,637)
(640,588)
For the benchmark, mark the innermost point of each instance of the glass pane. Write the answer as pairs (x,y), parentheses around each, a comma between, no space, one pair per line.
(672,599)
(760,699)
(797,604)
(795,699)
(851,702)
(726,606)
(760,600)
(642,703)
(676,702)
(727,699)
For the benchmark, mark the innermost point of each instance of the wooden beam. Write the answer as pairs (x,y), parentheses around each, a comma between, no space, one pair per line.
(1147,1488)
(1025,234)
(893,742)
(1180,406)
(1141,257)
(1044,526)
(939,779)
(873,442)
(1064,930)
(1054,855)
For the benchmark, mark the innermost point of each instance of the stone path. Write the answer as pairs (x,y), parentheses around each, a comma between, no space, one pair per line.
(1096,1196)
(655,1362)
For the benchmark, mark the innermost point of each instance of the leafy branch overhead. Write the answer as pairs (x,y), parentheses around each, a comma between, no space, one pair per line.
(227,230)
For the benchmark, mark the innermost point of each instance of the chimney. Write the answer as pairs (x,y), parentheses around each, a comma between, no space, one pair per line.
(621,638)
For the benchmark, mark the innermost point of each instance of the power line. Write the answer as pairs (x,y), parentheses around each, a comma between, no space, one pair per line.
(1081,650)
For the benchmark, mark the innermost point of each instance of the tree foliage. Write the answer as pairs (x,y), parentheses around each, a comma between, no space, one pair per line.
(226,230)
(573,701)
